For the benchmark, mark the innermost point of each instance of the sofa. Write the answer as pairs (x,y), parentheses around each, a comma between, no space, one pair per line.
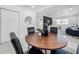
(72,31)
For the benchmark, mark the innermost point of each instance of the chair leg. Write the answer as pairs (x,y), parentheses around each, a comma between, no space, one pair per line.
(45,51)
(28,46)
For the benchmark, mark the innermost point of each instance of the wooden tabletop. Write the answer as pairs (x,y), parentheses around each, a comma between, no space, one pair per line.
(51,42)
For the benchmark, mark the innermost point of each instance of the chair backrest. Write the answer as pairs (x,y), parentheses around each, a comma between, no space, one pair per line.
(77,52)
(53,29)
(16,43)
(30,30)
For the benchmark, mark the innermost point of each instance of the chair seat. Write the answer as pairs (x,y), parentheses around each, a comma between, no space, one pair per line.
(60,51)
(34,50)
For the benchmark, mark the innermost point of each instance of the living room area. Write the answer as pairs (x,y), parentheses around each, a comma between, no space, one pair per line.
(65,17)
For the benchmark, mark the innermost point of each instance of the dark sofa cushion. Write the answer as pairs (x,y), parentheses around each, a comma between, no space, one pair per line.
(74,32)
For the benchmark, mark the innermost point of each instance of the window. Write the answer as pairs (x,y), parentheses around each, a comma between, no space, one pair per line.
(62,21)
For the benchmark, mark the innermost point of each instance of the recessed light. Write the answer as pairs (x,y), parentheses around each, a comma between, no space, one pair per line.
(70,8)
(33,6)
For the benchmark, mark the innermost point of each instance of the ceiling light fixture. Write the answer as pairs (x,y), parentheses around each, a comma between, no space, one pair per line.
(33,6)
(70,8)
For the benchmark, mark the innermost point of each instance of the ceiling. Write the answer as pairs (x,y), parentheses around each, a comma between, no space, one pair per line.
(60,10)
(54,10)
(36,8)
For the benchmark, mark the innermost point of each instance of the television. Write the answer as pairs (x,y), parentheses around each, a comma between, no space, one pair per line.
(47,20)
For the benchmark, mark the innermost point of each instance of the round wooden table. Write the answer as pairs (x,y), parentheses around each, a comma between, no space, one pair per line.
(51,42)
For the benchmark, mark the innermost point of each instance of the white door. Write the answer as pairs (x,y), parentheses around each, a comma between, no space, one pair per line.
(9,23)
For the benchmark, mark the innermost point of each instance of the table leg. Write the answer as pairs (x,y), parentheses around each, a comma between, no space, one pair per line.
(45,51)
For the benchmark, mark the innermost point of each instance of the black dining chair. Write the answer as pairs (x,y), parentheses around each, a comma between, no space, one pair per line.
(18,48)
(77,52)
(31,30)
(60,51)
(53,29)
(16,43)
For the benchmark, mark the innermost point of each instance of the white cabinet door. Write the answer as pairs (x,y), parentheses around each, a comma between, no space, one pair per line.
(9,23)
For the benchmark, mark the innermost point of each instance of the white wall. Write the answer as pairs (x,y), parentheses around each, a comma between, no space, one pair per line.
(62,12)
(24,12)
(73,20)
